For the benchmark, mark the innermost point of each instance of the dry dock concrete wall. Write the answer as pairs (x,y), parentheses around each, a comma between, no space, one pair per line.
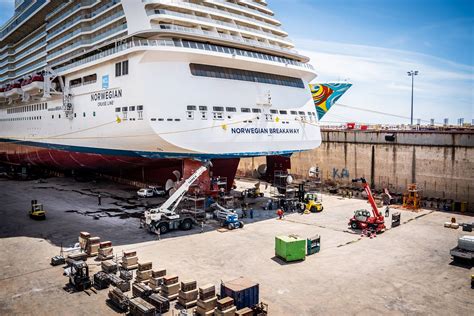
(440,162)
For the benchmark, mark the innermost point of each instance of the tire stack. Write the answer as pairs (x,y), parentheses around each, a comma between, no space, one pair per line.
(144,272)
(170,287)
(225,307)
(188,294)
(207,302)
(129,260)
(156,280)
(101,280)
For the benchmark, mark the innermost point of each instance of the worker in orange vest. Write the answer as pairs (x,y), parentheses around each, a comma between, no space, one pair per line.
(280,213)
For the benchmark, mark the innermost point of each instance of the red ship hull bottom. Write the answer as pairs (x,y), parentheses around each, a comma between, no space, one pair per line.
(134,169)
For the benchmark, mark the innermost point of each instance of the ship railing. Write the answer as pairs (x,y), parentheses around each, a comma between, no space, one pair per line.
(132,43)
(221,35)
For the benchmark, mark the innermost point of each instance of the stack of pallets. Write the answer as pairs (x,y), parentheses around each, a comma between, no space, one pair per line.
(106,251)
(225,307)
(161,303)
(119,299)
(83,238)
(101,280)
(120,283)
(139,307)
(92,247)
(156,279)
(170,287)
(207,301)
(129,260)
(144,272)
(141,290)
(188,294)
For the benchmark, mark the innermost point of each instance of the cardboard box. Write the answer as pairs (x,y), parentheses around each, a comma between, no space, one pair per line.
(225,303)
(105,244)
(188,285)
(209,304)
(142,266)
(143,275)
(188,295)
(159,273)
(129,253)
(170,279)
(130,260)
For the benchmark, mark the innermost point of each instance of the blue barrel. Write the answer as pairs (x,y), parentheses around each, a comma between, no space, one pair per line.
(244,292)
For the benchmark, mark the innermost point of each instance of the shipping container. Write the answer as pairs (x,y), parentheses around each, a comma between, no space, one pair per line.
(290,248)
(244,292)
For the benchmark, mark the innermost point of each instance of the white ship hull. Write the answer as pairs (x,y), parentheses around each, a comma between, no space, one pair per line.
(161,82)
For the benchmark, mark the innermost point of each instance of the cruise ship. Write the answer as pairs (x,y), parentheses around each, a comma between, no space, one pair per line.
(147,87)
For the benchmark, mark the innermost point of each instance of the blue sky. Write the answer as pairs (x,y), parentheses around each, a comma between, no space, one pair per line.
(373,43)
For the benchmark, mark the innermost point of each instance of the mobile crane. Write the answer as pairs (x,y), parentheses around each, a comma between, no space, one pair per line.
(164,218)
(362,219)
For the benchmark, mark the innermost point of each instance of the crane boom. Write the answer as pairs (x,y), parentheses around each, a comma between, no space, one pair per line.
(375,210)
(181,191)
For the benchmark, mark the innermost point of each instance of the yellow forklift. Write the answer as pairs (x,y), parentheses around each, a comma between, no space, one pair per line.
(309,202)
(37,211)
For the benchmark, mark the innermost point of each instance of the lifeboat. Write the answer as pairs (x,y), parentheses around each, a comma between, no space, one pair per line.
(33,85)
(13,91)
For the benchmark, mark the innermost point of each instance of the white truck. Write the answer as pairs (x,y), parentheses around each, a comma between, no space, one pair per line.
(464,250)
(164,218)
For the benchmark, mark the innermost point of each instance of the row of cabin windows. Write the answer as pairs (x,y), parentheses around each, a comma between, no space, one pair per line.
(28,108)
(121,69)
(132,108)
(29,118)
(245,110)
(75,115)
(89,79)
(244,75)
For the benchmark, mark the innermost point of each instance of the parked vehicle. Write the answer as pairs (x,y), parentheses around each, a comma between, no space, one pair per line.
(145,193)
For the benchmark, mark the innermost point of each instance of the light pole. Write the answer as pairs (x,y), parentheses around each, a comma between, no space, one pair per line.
(412,74)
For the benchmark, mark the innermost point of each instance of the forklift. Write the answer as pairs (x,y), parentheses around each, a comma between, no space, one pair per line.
(37,211)
(308,201)
(79,276)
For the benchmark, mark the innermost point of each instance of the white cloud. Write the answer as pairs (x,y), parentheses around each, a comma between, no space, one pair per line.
(380,82)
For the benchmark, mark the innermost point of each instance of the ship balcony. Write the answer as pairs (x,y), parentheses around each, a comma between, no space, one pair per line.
(86,30)
(83,18)
(243,9)
(70,12)
(221,13)
(90,42)
(257,5)
(157,15)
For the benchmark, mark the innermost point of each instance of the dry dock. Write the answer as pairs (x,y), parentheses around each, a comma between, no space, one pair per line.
(406,270)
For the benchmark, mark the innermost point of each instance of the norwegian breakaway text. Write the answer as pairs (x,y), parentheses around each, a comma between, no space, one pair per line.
(256,130)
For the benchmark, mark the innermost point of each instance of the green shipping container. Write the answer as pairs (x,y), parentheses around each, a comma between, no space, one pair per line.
(290,248)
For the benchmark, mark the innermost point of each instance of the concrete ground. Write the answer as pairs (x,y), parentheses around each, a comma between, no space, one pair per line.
(406,270)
